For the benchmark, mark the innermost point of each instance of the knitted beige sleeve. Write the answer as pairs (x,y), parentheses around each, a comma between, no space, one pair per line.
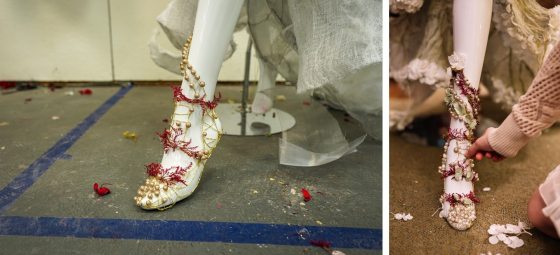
(538,109)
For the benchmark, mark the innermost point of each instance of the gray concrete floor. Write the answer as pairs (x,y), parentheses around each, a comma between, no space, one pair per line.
(242,182)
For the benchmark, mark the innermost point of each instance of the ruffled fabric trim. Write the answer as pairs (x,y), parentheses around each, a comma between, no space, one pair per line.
(398,120)
(424,71)
(550,192)
(405,6)
(503,95)
(526,39)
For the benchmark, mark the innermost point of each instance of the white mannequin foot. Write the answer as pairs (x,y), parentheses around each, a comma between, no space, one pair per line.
(267,79)
(261,104)
(188,143)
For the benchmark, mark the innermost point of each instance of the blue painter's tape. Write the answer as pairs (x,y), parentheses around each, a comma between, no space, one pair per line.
(193,231)
(23,181)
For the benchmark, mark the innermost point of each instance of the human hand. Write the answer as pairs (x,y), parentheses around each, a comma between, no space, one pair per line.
(481,148)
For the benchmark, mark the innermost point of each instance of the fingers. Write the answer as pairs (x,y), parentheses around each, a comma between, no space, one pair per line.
(473,151)
(479,156)
(489,155)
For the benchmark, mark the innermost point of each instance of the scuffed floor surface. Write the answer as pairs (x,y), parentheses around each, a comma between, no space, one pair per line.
(53,147)
(415,187)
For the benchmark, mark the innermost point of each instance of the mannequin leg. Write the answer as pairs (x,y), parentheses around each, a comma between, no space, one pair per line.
(471,24)
(267,79)
(195,128)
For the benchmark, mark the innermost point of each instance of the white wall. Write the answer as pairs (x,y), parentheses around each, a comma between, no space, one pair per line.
(69,40)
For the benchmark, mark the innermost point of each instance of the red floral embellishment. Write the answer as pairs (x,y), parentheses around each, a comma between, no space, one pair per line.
(456,198)
(179,96)
(470,92)
(458,134)
(306,195)
(170,141)
(170,175)
(100,190)
(462,166)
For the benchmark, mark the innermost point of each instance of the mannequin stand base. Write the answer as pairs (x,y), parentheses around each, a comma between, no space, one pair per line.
(272,122)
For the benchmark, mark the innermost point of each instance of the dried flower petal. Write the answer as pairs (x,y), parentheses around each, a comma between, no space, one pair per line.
(306,195)
(403,216)
(85,92)
(320,243)
(515,242)
(493,240)
(508,234)
(100,190)
(129,135)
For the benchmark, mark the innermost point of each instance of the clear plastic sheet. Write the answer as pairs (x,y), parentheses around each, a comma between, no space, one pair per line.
(360,95)
(317,138)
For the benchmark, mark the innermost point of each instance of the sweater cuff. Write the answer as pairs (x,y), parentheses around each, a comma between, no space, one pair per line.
(508,139)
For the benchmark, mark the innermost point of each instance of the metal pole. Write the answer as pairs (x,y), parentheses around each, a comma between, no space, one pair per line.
(245,91)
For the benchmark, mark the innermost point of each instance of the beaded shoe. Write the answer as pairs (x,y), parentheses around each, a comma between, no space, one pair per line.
(457,172)
(187,144)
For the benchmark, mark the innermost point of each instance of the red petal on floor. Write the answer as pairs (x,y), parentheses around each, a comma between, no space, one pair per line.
(306,195)
(103,191)
(320,243)
(100,190)
(85,91)
(306,103)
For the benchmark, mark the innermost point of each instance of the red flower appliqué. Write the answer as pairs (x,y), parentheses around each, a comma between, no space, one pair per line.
(170,175)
